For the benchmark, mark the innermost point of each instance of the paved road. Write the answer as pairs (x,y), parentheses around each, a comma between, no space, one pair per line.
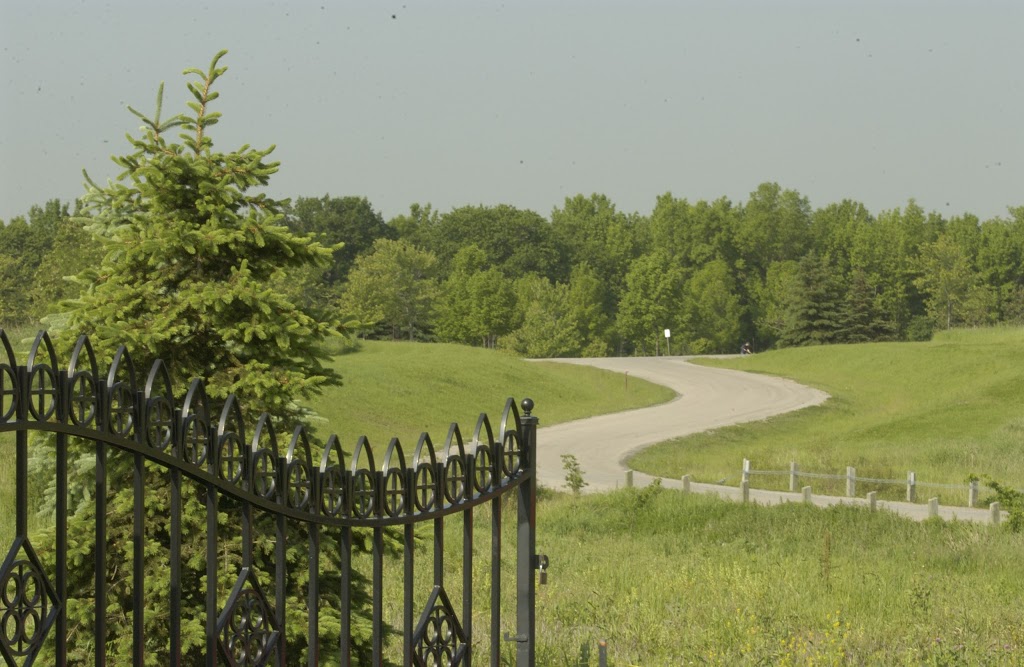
(707,398)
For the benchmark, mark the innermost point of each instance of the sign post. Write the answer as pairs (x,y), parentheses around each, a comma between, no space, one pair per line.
(668,341)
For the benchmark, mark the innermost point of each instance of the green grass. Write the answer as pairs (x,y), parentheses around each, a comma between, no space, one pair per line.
(674,579)
(402,389)
(943,409)
(668,578)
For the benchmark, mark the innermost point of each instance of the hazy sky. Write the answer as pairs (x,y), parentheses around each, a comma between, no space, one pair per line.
(527,102)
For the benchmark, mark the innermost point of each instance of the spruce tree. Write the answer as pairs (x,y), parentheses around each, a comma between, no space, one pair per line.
(193,252)
(195,257)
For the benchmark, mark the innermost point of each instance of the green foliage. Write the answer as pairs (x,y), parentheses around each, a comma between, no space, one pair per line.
(650,302)
(815,306)
(573,474)
(193,259)
(393,286)
(712,310)
(191,253)
(516,242)
(474,303)
(545,319)
(36,253)
(590,231)
(947,278)
(348,225)
(1010,499)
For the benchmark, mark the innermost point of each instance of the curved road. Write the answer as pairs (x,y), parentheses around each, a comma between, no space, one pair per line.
(707,398)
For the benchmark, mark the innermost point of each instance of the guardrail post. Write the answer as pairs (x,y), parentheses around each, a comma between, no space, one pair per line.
(996,512)
(602,653)
(686,483)
(933,508)
(807,494)
(972,493)
(851,482)
(911,487)
(792,476)
(745,490)
(629,479)
(873,500)
(746,471)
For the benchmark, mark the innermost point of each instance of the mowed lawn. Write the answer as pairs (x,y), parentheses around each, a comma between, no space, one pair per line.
(398,389)
(944,409)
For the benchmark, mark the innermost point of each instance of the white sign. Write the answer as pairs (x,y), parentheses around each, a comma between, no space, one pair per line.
(668,333)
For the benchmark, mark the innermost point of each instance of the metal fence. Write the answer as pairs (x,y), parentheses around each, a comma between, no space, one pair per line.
(233,471)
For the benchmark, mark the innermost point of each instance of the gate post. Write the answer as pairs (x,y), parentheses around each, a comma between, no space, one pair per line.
(526,545)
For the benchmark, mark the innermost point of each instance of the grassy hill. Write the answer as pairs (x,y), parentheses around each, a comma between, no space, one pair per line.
(943,409)
(401,389)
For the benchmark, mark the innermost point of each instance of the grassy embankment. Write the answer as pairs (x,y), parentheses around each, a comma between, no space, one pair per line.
(402,389)
(670,579)
(943,409)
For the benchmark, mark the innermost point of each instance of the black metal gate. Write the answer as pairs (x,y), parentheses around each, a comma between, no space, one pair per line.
(332,497)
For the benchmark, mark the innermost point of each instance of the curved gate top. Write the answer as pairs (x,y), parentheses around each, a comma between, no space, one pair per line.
(261,480)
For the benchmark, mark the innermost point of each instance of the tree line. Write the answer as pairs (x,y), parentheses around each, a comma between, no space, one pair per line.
(591,280)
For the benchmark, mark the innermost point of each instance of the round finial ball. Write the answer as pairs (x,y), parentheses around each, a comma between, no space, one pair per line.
(527,405)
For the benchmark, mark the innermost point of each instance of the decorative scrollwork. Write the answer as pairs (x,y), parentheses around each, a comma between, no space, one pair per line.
(24,607)
(84,398)
(483,472)
(333,485)
(121,409)
(511,455)
(8,392)
(42,391)
(121,394)
(454,479)
(84,389)
(247,635)
(247,630)
(300,486)
(353,491)
(424,492)
(333,490)
(364,494)
(231,459)
(439,638)
(264,482)
(394,492)
(42,378)
(196,441)
(28,605)
(159,423)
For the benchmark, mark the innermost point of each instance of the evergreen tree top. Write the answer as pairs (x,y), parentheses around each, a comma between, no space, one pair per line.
(195,258)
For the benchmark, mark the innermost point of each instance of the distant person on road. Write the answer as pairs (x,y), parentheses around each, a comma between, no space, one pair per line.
(745,350)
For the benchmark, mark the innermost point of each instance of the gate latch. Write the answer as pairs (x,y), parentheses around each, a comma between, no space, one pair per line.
(541,563)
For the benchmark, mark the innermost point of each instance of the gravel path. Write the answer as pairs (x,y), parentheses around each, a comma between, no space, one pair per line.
(707,398)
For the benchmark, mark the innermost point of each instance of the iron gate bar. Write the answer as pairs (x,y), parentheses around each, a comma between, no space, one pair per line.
(148,424)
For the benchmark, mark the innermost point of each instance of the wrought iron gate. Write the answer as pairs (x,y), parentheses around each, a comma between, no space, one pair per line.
(332,497)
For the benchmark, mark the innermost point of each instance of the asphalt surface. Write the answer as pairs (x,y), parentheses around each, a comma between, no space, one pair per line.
(707,398)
